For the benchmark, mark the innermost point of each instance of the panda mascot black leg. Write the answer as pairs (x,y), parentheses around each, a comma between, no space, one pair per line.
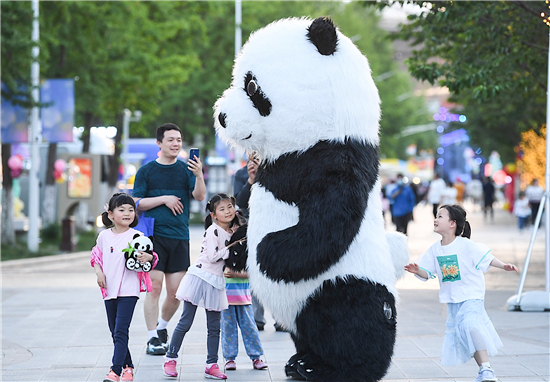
(331,331)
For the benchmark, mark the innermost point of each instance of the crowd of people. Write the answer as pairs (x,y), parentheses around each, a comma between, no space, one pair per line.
(400,196)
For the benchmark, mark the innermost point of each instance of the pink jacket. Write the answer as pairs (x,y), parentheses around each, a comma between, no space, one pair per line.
(96,257)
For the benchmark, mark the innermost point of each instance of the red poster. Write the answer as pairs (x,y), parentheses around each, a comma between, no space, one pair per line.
(80,178)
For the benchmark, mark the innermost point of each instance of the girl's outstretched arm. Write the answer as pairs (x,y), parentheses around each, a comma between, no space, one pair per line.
(414,268)
(507,267)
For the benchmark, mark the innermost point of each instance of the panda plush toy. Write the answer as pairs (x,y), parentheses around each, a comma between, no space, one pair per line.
(140,243)
(319,259)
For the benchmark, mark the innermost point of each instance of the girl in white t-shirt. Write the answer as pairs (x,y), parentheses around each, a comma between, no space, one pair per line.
(119,286)
(459,263)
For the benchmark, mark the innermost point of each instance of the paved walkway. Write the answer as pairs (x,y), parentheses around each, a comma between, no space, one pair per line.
(54,325)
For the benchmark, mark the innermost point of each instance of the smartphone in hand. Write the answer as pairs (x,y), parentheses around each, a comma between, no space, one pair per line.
(194,153)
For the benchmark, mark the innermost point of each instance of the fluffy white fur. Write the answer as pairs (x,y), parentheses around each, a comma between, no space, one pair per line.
(313,96)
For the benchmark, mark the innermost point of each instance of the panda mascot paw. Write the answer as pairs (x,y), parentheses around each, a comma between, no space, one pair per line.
(303,97)
(238,252)
(140,243)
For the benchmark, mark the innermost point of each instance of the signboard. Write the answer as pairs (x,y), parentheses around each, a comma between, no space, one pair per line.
(58,117)
(79,181)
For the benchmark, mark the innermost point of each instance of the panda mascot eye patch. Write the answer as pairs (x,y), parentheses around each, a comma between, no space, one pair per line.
(258,98)
(317,254)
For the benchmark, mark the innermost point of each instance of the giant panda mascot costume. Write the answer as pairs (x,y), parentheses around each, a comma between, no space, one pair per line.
(318,256)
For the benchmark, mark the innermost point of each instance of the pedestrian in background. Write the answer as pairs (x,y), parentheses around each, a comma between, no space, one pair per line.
(120,287)
(449,194)
(522,210)
(435,190)
(488,198)
(404,201)
(534,194)
(460,264)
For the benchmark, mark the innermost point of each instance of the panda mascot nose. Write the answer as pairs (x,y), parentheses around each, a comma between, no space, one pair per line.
(221,118)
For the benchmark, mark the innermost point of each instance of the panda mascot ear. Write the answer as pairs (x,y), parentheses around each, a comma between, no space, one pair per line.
(136,236)
(322,34)
(151,238)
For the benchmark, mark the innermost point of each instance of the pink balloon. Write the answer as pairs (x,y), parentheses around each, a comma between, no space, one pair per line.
(15,163)
(15,173)
(57,174)
(59,165)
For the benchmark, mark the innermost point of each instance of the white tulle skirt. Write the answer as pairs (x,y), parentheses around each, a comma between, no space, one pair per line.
(202,294)
(468,329)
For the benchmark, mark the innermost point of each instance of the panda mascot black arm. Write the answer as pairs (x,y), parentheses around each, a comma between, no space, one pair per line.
(330,186)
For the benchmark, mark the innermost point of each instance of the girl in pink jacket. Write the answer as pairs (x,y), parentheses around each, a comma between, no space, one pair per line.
(120,287)
(204,285)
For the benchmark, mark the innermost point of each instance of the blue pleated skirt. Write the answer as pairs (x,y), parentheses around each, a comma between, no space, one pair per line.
(468,329)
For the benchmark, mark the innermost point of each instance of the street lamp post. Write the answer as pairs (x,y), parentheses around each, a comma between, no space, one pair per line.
(126,119)
(34,139)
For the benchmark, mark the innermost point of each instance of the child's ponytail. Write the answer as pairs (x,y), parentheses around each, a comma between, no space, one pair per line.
(105,219)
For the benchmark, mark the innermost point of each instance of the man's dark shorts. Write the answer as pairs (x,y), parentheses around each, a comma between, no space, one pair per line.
(173,254)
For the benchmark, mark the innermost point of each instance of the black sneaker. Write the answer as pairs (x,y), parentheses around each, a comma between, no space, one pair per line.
(154,347)
(163,337)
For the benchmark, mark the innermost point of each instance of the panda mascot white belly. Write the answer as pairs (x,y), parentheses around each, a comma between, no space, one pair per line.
(318,256)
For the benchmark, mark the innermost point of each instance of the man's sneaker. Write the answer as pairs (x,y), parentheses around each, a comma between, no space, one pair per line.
(111,377)
(127,374)
(214,372)
(154,347)
(163,337)
(258,364)
(170,369)
(230,365)
(486,375)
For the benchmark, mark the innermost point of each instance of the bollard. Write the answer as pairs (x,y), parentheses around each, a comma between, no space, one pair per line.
(68,235)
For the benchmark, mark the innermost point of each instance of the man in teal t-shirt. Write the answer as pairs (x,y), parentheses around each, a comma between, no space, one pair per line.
(162,188)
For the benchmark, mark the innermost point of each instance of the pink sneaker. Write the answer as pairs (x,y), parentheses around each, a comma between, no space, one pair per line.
(258,364)
(230,365)
(170,369)
(214,372)
(111,377)
(127,374)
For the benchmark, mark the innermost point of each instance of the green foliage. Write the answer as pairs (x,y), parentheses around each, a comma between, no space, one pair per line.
(172,60)
(493,58)
(17,46)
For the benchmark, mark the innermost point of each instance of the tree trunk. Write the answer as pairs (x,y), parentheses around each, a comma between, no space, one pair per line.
(114,160)
(8,229)
(88,118)
(48,203)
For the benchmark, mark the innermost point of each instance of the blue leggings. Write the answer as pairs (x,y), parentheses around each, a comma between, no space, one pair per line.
(242,315)
(183,326)
(119,316)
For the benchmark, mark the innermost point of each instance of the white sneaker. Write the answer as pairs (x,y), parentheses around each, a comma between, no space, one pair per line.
(486,375)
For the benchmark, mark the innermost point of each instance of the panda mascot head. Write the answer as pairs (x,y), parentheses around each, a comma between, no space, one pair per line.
(140,243)
(302,95)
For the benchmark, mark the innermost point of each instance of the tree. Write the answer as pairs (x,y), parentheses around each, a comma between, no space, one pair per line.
(533,160)
(493,58)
